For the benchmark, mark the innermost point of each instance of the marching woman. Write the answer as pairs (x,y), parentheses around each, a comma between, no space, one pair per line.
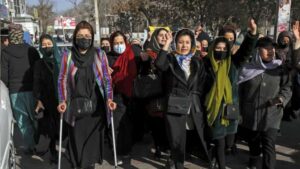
(85,96)
(45,91)
(185,79)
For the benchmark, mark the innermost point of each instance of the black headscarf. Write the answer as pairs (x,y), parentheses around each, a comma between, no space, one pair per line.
(84,78)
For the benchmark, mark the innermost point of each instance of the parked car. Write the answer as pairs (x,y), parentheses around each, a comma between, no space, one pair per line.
(7,149)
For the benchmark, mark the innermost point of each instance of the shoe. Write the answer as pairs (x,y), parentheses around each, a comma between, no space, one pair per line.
(53,159)
(157,153)
(170,164)
(253,162)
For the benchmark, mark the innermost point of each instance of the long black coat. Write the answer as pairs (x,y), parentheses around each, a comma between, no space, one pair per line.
(177,85)
(44,89)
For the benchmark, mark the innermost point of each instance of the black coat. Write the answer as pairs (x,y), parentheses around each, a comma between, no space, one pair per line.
(17,64)
(177,85)
(44,90)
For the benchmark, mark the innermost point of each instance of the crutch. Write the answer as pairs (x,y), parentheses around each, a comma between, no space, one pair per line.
(114,139)
(60,140)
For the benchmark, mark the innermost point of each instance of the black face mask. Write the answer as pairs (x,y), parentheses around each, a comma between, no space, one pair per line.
(83,43)
(219,55)
(48,51)
(105,48)
(284,45)
(231,43)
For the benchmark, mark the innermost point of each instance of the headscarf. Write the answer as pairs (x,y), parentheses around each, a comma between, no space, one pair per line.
(284,53)
(27,38)
(256,67)
(221,90)
(54,60)
(153,44)
(125,72)
(16,37)
(185,60)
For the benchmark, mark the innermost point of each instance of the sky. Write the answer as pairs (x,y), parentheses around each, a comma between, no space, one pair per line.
(59,5)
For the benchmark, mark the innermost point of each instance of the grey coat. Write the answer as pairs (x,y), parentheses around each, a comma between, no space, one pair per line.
(255,94)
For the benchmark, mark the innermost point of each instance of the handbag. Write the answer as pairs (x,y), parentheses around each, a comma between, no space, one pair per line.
(232,112)
(147,86)
(179,104)
(81,106)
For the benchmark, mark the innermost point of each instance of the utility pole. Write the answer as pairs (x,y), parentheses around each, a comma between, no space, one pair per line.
(97,20)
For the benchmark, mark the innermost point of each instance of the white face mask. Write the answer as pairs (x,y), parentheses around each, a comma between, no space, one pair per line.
(119,48)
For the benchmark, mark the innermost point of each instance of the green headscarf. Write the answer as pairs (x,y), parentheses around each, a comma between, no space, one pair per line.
(221,89)
(55,60)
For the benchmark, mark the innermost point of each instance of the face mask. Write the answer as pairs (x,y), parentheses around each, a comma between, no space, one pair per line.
(231,43)
(83,43)
(284,45)
(119,48)
(48,51)
(219,55)
(105,48)
(205,49)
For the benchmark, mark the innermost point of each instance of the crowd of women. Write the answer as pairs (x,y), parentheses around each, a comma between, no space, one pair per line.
(193,94)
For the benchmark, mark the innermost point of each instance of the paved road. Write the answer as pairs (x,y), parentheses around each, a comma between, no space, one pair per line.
(288,154)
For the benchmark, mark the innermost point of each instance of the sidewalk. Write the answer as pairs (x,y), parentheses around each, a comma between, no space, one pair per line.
(288,154)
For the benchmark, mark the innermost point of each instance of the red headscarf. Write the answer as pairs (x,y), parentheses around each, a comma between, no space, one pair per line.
(125,72)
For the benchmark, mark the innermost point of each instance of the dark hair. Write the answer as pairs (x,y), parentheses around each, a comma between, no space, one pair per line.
(228,29)
(45,36)
(83,25)
(114,35)
(186,32)
(224,40)
(103,39)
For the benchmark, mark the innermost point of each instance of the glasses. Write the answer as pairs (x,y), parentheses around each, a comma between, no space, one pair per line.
(84,36)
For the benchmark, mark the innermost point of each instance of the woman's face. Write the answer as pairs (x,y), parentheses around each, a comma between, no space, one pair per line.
(221,46)
(46,43)
(84,33)
(198,45)
(105,43)
(229,36)
(119,40)
(204,43)
(161,37)
(267,54)
(184,45)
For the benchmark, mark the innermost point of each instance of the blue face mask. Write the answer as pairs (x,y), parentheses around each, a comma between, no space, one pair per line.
(119,48)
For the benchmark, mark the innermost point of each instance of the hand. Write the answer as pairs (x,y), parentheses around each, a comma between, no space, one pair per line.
(39,106)
(278,101)
(110,70)
(144,56)
(203,54)
(111,105)
(296,30)
(62,107)
(252,26)
(169,40)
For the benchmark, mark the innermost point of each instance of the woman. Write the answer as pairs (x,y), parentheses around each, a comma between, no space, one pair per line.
(264,90)
(84,80)
(223,94)
(156,105)
(184,75)
(45,91)
(122,61)
(17,67)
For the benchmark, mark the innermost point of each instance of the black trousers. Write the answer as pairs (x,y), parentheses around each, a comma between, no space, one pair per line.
(263,142)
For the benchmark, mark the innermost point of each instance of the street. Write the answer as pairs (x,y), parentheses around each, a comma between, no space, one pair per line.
(287,147)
